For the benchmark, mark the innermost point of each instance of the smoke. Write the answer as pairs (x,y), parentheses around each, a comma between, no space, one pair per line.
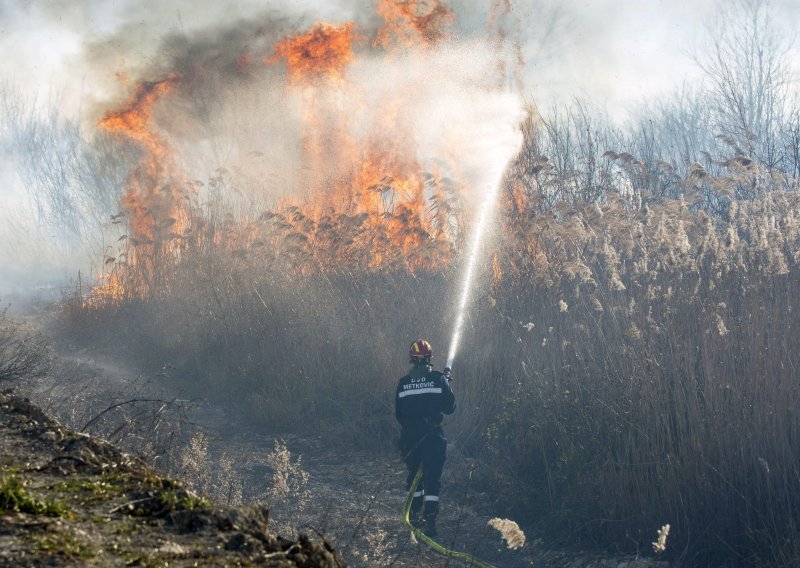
(443,107)
(608,52)
(46,197)
(232,109)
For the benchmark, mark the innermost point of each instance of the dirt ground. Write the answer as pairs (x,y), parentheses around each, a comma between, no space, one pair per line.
(353,498)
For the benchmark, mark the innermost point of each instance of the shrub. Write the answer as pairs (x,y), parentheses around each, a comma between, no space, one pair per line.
(23,353)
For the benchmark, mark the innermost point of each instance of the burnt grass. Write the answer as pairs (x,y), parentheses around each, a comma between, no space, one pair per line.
(116,510)
(71,499)
(355,498)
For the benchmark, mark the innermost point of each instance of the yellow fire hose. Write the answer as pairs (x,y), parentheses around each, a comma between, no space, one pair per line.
(463,556)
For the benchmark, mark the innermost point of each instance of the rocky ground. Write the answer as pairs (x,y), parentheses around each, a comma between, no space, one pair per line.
(69,499)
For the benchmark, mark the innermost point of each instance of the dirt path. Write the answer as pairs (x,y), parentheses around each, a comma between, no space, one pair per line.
(353,498)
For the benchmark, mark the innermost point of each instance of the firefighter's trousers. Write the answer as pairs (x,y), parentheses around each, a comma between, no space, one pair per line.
(429,450)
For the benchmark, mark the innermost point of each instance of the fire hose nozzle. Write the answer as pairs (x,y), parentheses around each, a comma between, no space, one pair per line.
(448,372)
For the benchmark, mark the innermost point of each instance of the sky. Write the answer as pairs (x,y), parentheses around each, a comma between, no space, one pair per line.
(614,53)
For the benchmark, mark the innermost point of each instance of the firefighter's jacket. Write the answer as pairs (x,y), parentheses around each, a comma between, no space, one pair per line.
(423,397)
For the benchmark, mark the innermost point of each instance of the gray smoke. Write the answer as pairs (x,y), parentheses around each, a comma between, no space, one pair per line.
(84,57)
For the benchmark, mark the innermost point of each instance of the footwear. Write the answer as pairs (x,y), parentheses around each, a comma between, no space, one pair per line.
(431,510)
(414,516)
(430,527)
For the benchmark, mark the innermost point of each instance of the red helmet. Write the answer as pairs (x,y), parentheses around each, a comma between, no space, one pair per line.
(420,349)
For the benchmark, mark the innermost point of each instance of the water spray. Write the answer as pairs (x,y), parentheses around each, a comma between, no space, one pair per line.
(485,213)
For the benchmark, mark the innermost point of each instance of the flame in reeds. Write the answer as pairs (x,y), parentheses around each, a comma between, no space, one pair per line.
(378,177)
(152,200)
(375,178)
(150,196)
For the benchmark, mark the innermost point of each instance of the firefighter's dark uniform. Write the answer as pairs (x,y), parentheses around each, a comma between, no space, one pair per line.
(422,397)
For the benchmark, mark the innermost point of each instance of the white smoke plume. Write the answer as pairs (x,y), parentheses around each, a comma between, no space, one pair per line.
(446,107)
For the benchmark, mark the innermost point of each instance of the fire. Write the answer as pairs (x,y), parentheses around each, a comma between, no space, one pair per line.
(377,176)
(111,290)
(153,193)
(324,50)
(413,22)
(370,184)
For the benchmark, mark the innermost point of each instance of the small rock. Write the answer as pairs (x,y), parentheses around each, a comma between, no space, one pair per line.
(50,436)
(171,548)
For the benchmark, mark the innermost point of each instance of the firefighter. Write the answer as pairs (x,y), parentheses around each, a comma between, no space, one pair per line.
(422,397)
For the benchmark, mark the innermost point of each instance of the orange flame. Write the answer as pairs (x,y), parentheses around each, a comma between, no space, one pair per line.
(372,184)
(376,177)
(413,22)
(324,50)
(153,190)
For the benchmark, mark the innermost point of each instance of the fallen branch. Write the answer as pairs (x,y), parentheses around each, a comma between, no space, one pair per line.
(126,402)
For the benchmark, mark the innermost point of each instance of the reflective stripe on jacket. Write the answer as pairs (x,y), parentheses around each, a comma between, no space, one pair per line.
(422,398)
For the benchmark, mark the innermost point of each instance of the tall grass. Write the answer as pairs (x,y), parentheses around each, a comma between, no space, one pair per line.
(658,385)
(629,361)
